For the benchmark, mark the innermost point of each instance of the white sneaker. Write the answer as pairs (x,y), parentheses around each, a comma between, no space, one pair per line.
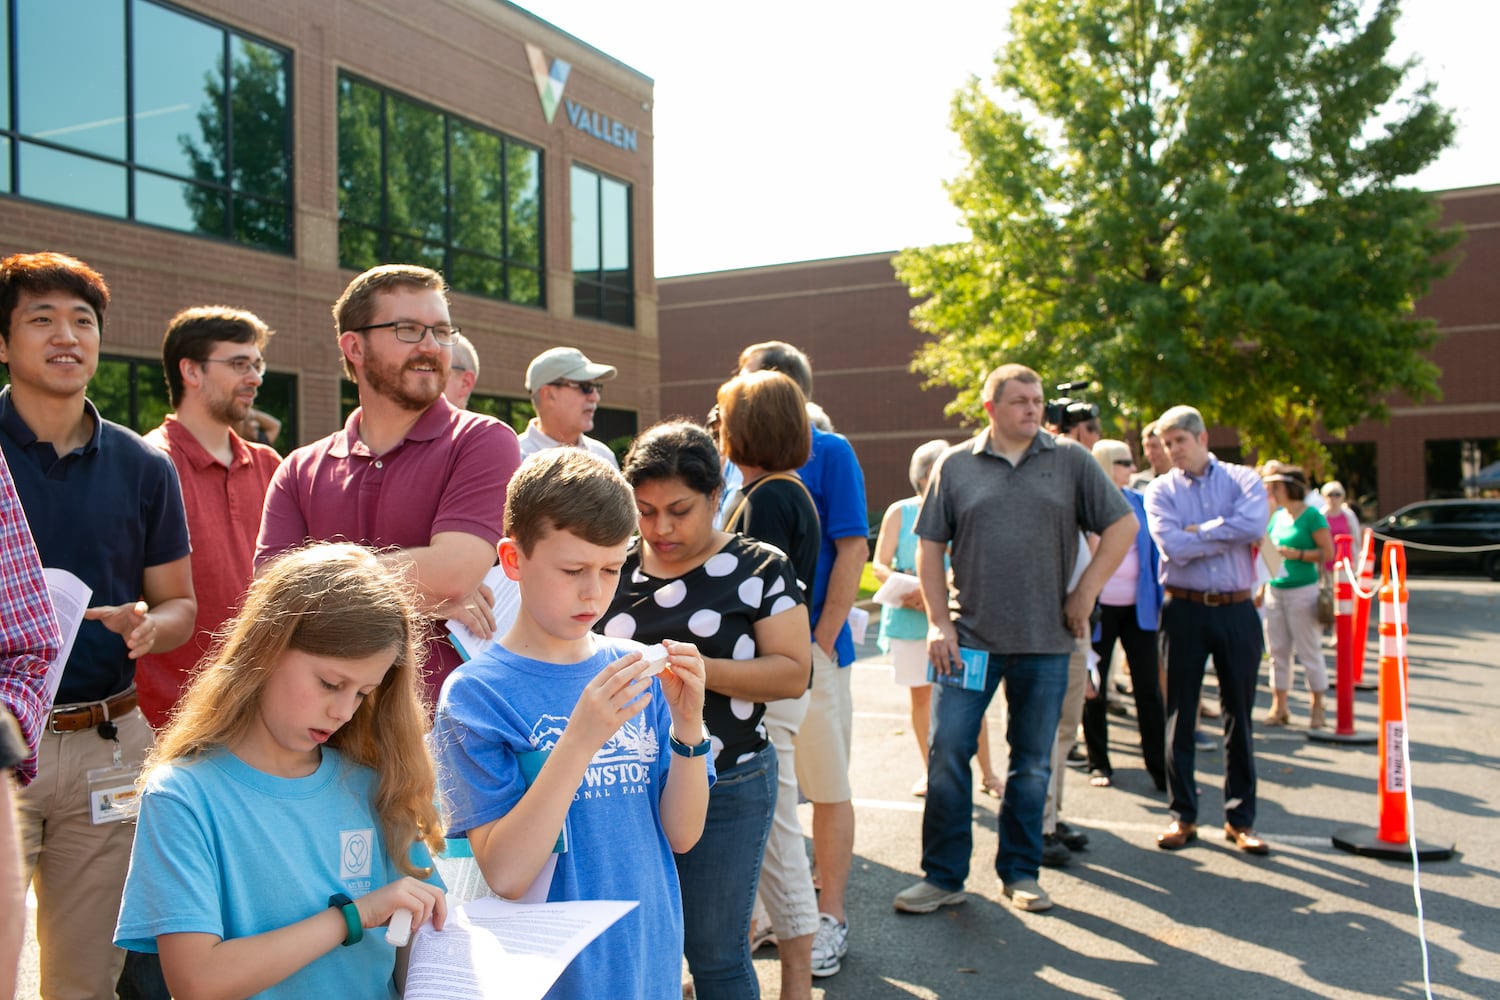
(1025,894)
(830,945)
(924,897)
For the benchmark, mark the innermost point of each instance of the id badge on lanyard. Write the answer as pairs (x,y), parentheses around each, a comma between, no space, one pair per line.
(113,797)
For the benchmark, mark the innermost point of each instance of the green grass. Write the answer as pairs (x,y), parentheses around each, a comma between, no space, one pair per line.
(867,583)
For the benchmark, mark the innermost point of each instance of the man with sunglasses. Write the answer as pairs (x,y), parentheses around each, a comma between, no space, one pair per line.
(408,474)
(565,388)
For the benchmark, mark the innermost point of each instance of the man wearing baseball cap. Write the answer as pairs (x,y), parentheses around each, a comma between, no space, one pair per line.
(565,388)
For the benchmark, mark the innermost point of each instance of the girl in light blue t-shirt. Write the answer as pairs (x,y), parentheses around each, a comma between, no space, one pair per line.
(287,809)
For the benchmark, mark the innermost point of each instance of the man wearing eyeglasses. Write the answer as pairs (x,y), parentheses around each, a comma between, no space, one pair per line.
(462,373)
(565,388)
(211,358)
(408,473)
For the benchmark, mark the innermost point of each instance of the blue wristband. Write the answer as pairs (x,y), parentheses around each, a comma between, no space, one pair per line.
(687,749)
(356,927)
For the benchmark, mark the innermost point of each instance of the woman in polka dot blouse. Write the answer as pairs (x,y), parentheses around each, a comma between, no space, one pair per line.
(738,600)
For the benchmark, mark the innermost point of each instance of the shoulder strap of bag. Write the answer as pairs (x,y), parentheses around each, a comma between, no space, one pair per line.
(732,523)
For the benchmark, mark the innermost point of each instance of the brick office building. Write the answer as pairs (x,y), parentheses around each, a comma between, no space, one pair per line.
(467,135)
(851,315)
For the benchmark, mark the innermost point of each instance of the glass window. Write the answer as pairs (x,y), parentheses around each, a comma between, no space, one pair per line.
(72,180)
(177,57)
(86,110)
(420,186)
(603,279)
(142,128)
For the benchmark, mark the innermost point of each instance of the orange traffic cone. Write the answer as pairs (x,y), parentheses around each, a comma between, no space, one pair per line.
(1392,839)
(1343,623)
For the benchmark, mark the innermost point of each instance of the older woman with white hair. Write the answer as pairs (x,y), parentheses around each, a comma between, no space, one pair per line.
(1130,606)
(903,630)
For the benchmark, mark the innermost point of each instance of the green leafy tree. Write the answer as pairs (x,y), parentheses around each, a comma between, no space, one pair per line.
(258,174)
(1194,201)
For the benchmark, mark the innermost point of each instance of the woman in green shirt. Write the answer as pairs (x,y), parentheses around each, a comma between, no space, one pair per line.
(1301,535)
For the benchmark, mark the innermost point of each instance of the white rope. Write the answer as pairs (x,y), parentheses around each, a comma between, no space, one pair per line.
(1436,548)
(1411,805)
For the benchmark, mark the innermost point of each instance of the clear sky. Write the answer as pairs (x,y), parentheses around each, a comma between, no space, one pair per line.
(799,129)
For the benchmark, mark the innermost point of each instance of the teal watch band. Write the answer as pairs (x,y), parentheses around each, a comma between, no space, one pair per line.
(687,749)
(356,927)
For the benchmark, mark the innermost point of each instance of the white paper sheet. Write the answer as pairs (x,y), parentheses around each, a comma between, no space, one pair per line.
(896,588)
(490,949)
(507,605)
(70,599)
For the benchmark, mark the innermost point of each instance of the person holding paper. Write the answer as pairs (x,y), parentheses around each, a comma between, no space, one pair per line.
(105,506)
(288,808)
(29,641)
(575,766)
(408,473)
(1011,503)
(739,600)
(903,627)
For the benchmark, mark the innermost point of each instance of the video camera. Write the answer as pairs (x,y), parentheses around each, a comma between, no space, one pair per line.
(1064,413)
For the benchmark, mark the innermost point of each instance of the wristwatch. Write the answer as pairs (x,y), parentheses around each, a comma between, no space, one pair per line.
(687,749)
(356,926)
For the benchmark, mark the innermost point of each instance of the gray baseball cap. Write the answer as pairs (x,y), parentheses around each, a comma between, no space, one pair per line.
(565,362)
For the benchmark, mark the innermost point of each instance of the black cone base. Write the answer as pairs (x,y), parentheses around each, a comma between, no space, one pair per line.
(1353,739)
(1365,841)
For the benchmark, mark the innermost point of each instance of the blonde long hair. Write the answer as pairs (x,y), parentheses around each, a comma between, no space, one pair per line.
(326,600)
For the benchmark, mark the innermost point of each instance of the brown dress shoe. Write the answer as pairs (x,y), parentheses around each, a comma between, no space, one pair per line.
(1177,836)
(1245,839)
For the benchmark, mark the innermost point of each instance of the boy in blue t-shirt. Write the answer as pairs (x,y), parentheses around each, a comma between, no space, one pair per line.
(556,741)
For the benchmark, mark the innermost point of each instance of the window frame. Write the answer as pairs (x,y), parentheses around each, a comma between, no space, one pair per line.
(598,285)
(385,233)
(14,140)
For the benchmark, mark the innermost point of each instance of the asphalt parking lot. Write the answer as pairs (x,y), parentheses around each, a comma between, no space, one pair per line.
(1133,921)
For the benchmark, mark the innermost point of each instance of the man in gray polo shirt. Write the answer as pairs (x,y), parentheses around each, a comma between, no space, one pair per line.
(1011,502)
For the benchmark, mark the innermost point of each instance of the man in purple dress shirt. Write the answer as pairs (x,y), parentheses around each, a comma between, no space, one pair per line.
(1206,516)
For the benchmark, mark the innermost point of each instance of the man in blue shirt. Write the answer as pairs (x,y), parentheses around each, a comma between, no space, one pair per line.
(837,484)
(106,506)
(1206,516)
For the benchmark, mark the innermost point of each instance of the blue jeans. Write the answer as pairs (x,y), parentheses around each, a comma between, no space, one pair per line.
(1034,687)
(719,876)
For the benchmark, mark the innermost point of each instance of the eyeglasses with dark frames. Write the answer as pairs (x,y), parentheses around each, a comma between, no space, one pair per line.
(587,388)
(241,366)
(409,332)
(1128,463)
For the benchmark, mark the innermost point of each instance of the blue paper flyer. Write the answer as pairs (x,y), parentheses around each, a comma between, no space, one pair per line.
(975,663)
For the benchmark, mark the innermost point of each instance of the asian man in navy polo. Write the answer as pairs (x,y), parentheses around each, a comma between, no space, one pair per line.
(105,506)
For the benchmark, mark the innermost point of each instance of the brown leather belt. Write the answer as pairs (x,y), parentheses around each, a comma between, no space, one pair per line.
(1210,598)
(72,718)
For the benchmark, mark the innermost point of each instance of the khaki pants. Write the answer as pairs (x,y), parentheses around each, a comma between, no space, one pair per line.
(77,869)
(1067,732)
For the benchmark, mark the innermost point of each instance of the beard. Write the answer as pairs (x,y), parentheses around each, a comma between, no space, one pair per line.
(230,409)
(386,380)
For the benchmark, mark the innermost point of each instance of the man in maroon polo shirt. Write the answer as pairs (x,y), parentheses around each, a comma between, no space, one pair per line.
(211,356)
(408,473)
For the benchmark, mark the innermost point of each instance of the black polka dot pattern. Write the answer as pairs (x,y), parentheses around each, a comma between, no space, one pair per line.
(714,607)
